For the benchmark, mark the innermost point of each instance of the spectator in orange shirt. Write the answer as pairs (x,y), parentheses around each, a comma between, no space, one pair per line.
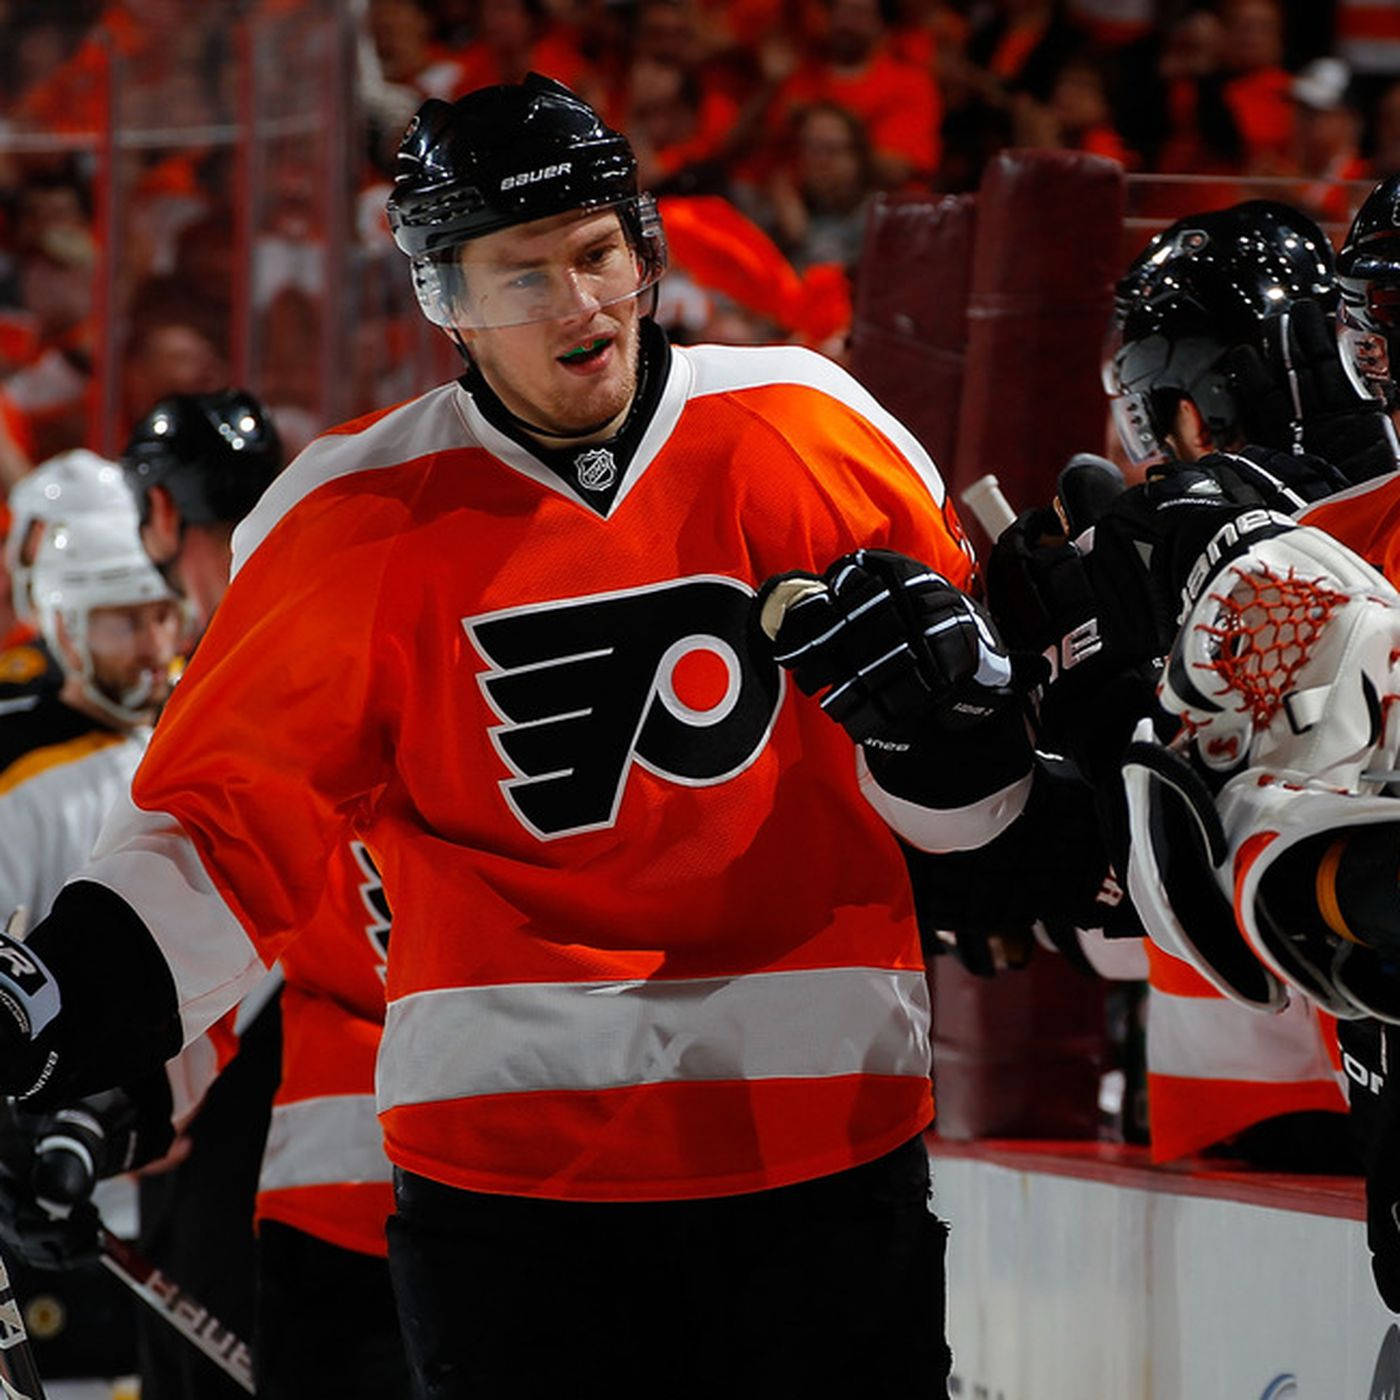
(401,31)
(1327,140)
(898,103)
(1076,118)
(665,121)
(672,80)
(1259,95)
(516,37)
(45,399)
(927,30)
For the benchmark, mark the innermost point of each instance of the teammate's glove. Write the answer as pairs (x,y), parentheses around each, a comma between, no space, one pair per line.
(1043,589)
(1368,1051)
(49,1164)
(891,646)
(1296,397)
(1045,869)
(29,1002)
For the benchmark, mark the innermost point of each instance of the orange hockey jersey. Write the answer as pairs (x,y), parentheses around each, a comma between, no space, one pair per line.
(650,941)
(324,1171)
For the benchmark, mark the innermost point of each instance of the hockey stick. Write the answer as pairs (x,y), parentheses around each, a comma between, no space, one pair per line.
(189,1318)
(19,1376)
(990,509)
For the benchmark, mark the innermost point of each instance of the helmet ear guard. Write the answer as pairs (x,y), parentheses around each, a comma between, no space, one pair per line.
(1146,381)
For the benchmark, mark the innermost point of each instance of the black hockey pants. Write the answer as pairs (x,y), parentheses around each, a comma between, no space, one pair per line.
(827,1287)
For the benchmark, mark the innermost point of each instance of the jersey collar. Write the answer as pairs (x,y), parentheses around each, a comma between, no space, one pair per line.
(627,455)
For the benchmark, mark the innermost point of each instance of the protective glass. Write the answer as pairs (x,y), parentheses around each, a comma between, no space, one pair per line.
(626,259)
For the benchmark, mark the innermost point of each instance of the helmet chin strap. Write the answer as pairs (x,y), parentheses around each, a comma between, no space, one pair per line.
(132,708)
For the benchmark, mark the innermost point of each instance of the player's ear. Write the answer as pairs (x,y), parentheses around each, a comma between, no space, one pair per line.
(161,532)
(1190,436)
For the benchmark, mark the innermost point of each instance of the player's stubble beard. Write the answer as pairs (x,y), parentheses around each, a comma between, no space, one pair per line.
(528,380)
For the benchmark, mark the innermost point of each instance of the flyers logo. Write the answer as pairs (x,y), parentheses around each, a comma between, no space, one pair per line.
(376,906)
(661,676)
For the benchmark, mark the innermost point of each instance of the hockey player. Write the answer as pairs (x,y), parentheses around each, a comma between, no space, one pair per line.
(66,754)
(655,1066)
(197,464)
(73,483)
(113,626)
(1222,341)
(1262,848)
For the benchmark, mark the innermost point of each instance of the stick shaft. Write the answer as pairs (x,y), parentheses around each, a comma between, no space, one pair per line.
(191,1319)
(990,509)
(19,1375)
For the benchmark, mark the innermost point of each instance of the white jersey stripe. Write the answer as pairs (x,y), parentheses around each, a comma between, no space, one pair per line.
(329,1141)
(148,860)
(414,429)
(721,369)
(447,1044)
(1212,1038)
(447,415)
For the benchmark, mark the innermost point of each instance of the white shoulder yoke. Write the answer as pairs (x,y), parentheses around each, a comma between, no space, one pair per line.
(427,424)
(722,369)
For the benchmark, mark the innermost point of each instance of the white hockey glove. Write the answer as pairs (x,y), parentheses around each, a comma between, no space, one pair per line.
(1281,675)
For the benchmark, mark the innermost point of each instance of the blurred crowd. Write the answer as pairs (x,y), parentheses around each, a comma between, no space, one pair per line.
(145,249)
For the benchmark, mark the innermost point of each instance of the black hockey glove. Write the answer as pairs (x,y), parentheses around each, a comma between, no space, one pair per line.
(49,1164)
(1150,540)
(1046,868)
(29,1003)
(893,649)
(1296,397)
(1042,592)
(1368,1051)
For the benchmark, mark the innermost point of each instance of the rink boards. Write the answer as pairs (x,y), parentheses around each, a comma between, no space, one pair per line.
(1077,1273)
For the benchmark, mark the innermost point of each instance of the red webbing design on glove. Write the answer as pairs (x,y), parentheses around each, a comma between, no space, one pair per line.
(1265,631)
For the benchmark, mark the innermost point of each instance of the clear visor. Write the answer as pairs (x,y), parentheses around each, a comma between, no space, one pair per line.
(519,277)
(1363,320)
(1132,418)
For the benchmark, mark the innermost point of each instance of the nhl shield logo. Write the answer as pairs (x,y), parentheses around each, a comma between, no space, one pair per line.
(596,469)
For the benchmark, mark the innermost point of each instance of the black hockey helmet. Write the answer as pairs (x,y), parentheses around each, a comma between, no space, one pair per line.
(1208,283)
(503,156)
(215,453)
(1368,274)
